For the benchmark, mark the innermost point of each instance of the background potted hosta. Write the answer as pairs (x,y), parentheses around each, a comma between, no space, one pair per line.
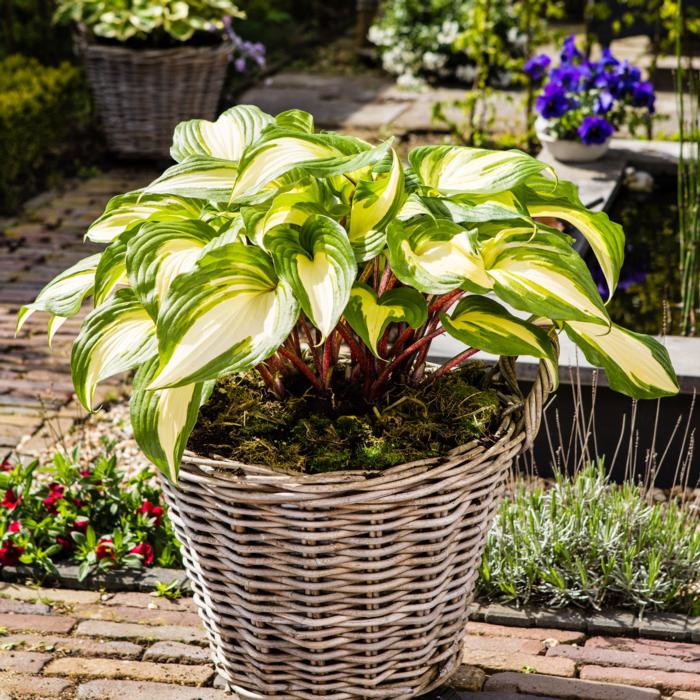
(277,291)
(582,103)
(152,65)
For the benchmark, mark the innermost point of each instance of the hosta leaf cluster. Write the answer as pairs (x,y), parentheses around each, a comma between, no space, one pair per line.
(139,19)
(274,247)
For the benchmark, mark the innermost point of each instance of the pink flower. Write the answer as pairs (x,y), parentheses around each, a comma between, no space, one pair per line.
(64,542)
(85,473)
(81,524)
(15,526)
(152,510)
(10,554)
(10,500)
(56,494)
(145,551)
(105,548)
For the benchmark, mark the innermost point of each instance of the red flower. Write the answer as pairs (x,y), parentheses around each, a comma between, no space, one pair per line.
(15,526)
(152,510)
(145,551)
(81,525)
(64,542)
(78,503)
(10,500)
(10,554)
(56,494)
(105,548)
(85,473)
(6,466)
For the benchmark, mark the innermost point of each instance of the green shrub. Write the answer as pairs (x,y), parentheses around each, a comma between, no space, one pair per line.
(44,113)
(590,543)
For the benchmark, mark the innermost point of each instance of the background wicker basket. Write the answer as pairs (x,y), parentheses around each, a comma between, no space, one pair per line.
(141,95)
(344,585)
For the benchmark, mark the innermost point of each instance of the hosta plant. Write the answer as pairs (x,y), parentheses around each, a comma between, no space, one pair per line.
(315,258)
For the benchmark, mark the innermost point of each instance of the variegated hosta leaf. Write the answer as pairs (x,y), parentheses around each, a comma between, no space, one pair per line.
(200,177)
(319,265)
(495,208)
(560,200)
(226,138)
(436,256)
(162,420)
(635,364)
(483,323)
(63,296)
(543,275)
(374,204)
(125,210)
(113,338)
(111,271)
(294,206)
(230,313)
(158,253)
(295,120)
(319,155)
(369,316)
(461,170)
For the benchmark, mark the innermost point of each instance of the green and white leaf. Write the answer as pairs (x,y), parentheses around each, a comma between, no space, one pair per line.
(115,337)
(111,271)
(230,313)
(483,323)
(162,420)
(543,275)
(374,204)
(201,177)
(132,208)
(64,295)
(369,316)
(319,265)
(635,364)
(226,138)
(606,238)
(295,120)
(460,170)
(158,253)
(436,256)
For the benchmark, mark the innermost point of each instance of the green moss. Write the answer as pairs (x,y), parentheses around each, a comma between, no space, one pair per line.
(245,422)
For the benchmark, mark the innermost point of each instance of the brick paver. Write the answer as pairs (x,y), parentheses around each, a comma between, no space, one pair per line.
(60,653)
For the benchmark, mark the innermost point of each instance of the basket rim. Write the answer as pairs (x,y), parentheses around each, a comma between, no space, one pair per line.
(88,44)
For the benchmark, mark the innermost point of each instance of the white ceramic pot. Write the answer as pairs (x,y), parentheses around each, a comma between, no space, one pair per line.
(568,151)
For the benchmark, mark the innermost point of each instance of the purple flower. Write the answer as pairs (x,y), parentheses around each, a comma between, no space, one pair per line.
(624,79)
(643,96)
(607,58)
(569,52)
(553,101)
(604,102)
(595,130)
(568,76)
(536,67)
(239,64)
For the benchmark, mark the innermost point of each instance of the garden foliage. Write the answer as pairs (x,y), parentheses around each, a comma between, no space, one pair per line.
(90,515)
(273,247)
(589,543)
(44,113)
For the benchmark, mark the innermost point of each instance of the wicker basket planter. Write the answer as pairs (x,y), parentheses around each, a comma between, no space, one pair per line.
(347,584)
(141,95)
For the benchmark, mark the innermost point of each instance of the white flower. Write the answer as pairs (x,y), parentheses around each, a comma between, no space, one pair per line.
(381,36)
(448,32)
(433,61)
(516,38)
(466,73)
(409,81)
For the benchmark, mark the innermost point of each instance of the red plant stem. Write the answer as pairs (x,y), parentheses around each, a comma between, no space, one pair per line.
(326,366)
(403,338)
(444,302)
(453,363)
(355,349)
(417,345)
(311,341)
(295,338)
(302,367)
(385,280)
(273,383)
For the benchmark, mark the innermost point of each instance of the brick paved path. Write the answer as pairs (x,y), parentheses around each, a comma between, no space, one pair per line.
(121,646)
(45,240)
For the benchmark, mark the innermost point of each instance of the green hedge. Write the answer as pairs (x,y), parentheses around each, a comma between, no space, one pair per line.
(44,116)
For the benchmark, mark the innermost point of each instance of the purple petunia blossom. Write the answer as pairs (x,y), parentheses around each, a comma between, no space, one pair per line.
(607,58)
(536,67)
(569,52)
(624,79)
(568,76)
(553,101)
(595,130)
(643,96)
(604,102)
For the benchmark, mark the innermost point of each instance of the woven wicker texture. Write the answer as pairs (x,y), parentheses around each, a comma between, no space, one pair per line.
(141,95)
(343,585)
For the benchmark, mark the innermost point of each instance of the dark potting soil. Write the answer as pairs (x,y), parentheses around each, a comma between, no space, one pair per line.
(649,289)
(245,422)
